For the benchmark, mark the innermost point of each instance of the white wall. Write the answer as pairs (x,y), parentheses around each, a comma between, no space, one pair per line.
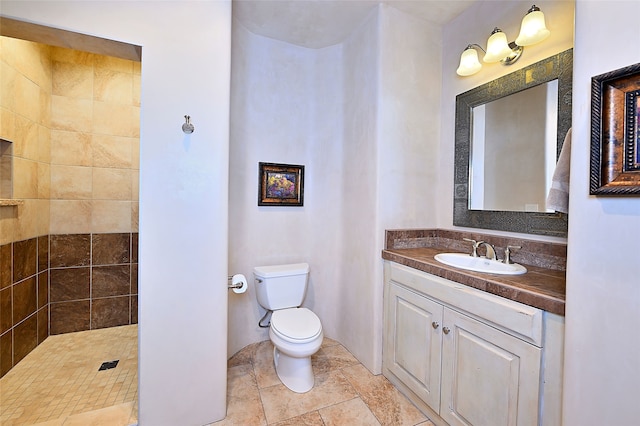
(183,192)
(286,107)
(362,117)
(474,26)
(602,367)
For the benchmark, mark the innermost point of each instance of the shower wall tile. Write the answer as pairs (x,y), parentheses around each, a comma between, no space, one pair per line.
(61,54)
(27,99)
(43,210)
(134,247)
(111,281)
(25,144)
(72,80)
(110,312)
(116,119)
(24,299)
(111,184)
(114,64)
(111,249)
(26,223)
(25,338)
(25,178)
(112,151)
(70,284)
(111,216)
(134,278)
(136,89)
(6,352)
(43,289)
(28,58)
(71,182)
(6,308)
(70,114)
(43,253)
(68,216)
(6,270)
(44,181)
(44,129)
(113,86)
(69,317)
(70,250)
(24,259)
(71,148)
(7,84)
(43,324)
(135,209)
(134,309)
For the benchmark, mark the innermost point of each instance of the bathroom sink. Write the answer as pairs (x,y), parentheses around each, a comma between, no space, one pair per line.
(479,264)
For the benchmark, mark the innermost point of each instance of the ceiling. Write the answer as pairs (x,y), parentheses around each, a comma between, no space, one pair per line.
(321,23)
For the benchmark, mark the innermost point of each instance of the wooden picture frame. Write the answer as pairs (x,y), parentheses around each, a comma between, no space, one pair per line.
(281,184)
(615,132)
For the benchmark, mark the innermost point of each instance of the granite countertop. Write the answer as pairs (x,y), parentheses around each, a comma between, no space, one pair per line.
(541,287)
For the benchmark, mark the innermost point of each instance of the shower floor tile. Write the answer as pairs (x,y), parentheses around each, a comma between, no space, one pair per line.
(60,378)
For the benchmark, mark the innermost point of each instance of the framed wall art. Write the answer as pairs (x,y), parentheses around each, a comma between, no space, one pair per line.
(615,132)
(280,184)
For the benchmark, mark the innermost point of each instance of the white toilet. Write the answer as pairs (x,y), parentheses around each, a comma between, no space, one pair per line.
(295,332)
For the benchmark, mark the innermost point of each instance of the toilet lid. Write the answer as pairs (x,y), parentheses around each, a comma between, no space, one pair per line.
(296,323)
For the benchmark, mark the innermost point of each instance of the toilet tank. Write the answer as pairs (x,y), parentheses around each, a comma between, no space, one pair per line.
(281,286)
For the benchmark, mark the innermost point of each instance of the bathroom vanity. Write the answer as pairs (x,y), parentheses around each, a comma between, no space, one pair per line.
(471,348)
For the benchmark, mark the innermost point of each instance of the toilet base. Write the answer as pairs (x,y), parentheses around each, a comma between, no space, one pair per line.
(295,373)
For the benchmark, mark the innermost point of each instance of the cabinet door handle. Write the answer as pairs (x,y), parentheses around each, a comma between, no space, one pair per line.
(446,330)
(435,325)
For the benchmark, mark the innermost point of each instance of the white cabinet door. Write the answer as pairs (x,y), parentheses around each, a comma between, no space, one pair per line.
(413,342)
(489,378)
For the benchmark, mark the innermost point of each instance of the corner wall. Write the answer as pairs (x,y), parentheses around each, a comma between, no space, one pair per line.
(362,117)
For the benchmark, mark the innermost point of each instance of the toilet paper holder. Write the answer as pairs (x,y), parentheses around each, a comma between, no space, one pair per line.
(231,285)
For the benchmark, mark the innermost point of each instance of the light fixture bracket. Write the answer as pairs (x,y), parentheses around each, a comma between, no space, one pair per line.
(513,58)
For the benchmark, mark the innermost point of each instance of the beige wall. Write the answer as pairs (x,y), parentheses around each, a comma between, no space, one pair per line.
(73,118)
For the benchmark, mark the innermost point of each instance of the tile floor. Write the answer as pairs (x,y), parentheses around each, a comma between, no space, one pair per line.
(58,384)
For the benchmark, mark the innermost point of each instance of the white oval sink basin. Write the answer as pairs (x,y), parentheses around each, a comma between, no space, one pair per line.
(479,264)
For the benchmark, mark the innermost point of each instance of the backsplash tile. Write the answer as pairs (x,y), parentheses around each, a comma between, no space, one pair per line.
(532,252)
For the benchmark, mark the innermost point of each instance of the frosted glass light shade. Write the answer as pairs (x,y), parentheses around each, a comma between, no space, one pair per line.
(497,47)
(533,29)
(469,62)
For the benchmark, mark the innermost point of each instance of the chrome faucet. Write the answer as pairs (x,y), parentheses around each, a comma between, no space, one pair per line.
(474,246)
(490,250)
(507,254)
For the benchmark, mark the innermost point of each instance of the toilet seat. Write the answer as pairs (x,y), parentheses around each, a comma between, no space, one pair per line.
(296,325)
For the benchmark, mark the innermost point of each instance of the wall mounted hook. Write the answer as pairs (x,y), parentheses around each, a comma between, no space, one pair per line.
(187,127)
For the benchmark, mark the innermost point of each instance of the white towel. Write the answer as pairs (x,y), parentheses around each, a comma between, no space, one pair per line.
(558,198)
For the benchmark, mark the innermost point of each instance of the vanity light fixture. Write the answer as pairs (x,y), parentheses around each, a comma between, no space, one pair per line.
(533,30)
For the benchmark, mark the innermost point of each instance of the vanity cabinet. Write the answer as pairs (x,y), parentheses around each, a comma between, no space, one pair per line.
(467,357)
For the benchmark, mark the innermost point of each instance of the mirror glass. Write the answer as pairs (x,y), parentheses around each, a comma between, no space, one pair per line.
(509,133)
(496,184)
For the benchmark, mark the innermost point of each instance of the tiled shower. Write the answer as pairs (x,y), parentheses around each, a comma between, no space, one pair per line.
(68,249)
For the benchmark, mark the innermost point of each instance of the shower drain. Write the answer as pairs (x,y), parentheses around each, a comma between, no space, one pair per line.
(108,365)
